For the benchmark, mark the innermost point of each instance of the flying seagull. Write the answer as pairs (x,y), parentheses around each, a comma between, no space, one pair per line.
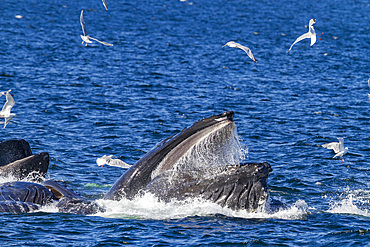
(105,4)
(311,34)
(338,148)
(244,48)
(5,112)
(108,160)
(86,38)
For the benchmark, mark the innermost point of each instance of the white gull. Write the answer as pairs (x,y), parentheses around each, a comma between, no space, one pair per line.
(244,48)
(86,38)
(5,112)
(311,34)
(108,160)
(338,148)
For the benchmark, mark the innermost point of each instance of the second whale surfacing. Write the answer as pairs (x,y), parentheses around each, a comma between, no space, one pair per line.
(201,161)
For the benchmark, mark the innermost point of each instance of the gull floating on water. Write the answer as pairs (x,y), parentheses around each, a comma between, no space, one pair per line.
(108,160)
(338,148)
(244,48)
(368,83)
(5,112)
(86,38)
(105,4)
(311,34)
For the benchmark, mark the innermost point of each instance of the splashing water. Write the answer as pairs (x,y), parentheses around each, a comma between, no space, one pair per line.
(354,202)
(219,148)
(31,177)
(148,207)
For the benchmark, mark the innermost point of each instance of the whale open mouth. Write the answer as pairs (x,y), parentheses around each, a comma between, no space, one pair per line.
(213,146)
(203,160)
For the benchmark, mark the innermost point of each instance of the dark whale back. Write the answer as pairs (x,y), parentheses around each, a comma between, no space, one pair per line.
(25,192)
(22,197)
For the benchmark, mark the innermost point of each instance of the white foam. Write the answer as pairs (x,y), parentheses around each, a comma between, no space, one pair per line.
(30,178)
(7,179)
(49,208)
(354,202)
(297,211)
(148,207)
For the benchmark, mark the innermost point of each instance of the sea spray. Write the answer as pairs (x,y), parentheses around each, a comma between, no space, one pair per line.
(149,207)
(351,202)
(219,148)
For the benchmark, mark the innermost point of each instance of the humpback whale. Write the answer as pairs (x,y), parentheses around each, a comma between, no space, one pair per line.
(22,197)
(198,162)
(17,160)
(162,171)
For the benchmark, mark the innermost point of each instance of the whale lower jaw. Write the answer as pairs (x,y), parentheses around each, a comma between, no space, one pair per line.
(235,186)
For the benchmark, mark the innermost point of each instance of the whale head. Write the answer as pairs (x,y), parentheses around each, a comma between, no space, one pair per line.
(201,160)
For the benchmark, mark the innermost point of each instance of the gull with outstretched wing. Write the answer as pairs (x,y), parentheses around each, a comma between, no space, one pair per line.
(108,160)
(86,38)
(338,148)
(311,34)
(244,48)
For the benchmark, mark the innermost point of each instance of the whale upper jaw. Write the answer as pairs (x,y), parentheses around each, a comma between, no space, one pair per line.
(140,174)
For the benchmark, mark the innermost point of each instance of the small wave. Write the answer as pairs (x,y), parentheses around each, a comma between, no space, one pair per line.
(355,202)
(296,211)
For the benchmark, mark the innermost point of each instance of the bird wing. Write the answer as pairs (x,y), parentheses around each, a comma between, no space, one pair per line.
(341,153)
(303,36)
(7,120)
(101,42)
(231,44)
(313,39)
(332,145)
(83,23)
(341,145)
(8,104)
(368,82)
(105,4)
(248,51)
(119,163)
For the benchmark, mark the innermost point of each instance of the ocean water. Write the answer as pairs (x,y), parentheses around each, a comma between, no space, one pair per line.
(166,70)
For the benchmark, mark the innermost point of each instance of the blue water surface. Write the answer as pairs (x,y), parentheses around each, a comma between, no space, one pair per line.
(166,70)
